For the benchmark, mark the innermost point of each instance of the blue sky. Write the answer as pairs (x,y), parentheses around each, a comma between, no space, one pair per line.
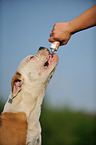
(25,25)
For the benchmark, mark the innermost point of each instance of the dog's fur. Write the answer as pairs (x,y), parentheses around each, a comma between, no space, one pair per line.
(19,121)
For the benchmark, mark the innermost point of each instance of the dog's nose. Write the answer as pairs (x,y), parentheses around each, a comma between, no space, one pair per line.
(42,48)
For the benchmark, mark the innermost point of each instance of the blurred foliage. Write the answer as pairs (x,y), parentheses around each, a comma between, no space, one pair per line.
(66,127)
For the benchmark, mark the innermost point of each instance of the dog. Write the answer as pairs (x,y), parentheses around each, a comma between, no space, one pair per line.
(19,121)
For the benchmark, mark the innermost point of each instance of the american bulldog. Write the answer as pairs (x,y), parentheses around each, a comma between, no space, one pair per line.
(19,121)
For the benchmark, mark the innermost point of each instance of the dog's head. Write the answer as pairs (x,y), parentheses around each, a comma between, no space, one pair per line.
(34,72)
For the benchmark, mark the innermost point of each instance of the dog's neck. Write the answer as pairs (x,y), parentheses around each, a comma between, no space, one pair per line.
(31,105)
(34,136)
(26,100)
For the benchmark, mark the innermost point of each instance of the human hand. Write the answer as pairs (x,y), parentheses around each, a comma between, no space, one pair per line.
(61,32)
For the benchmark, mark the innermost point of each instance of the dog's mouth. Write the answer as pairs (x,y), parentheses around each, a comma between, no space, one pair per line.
(50,62)
(51,58)
(52,72)
(47,62)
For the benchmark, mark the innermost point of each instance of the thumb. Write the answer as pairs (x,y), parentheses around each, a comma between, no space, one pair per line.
(51,39)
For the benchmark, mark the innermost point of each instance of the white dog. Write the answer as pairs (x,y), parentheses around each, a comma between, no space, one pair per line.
(19,121)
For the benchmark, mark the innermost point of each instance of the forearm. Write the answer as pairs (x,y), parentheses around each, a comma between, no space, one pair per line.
(62,31)
(84,21)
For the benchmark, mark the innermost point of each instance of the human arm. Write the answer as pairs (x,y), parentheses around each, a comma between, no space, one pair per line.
(62,31)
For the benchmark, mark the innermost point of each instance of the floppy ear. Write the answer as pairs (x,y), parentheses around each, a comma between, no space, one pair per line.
(16,84)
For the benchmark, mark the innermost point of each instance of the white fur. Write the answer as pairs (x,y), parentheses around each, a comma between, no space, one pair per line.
(35,79)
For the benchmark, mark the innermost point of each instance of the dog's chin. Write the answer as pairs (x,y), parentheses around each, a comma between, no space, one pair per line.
(51,74)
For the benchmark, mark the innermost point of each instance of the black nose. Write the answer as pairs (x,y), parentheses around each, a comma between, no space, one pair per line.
(42,48)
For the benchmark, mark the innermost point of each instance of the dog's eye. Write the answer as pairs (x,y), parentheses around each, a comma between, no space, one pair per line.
(31,57)
(46,63)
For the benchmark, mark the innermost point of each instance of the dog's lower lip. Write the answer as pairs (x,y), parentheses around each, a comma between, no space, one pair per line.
(51,74)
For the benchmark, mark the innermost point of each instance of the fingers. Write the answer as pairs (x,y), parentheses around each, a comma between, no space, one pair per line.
(51,39)
(53,28)
(55,35)
(63,43)
(61,33)
(52,33)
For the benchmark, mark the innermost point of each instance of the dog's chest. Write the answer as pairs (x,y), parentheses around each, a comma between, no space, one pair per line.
(13,128)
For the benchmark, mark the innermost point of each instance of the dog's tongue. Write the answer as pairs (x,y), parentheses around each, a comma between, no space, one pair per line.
(51,56)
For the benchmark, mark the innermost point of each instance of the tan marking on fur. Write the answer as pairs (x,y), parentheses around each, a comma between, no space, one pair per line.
(16,76)
(13,128)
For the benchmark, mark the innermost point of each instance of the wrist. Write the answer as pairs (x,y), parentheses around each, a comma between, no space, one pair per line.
(71,27)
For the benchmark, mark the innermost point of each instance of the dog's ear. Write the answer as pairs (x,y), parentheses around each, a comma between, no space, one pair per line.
(16,84)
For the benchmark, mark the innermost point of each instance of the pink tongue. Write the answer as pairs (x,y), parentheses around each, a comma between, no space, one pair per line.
(50,57)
